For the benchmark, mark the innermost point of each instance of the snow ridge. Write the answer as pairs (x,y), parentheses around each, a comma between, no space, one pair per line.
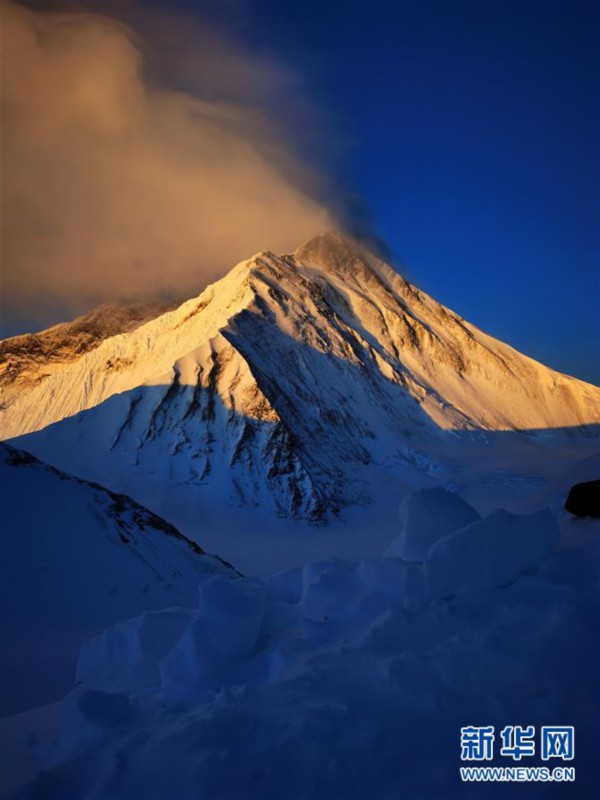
(75,558)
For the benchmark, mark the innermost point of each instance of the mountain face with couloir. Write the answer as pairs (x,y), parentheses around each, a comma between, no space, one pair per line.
(303,385)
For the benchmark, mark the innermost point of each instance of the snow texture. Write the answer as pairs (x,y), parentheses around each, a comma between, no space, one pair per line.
(426,516)
(491,552)
(328,682)
(76,558)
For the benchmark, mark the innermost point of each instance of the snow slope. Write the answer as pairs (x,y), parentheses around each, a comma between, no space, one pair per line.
(76,558)
(299,384)
(345,680)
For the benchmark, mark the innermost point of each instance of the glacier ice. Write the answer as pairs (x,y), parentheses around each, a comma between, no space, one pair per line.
(425,516)
(224,633)
(330,682)
(127,656)
(491,552)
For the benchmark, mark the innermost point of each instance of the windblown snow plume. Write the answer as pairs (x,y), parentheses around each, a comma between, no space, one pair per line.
(115,187)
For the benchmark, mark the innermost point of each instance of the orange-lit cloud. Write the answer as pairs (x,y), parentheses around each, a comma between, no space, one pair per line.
(113,188)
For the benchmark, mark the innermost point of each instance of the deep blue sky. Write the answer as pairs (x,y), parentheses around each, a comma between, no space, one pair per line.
(471,128)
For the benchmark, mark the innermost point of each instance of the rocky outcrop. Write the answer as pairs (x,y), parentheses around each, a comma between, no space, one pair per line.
(583,499)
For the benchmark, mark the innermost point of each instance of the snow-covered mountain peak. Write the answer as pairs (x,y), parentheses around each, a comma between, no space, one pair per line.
(331,250)
(287,384)
(336,253)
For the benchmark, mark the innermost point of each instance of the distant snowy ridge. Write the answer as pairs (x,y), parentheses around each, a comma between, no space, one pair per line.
(284,383)
(24,358)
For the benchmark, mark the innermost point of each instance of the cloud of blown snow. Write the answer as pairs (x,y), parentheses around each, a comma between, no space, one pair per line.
(125,177)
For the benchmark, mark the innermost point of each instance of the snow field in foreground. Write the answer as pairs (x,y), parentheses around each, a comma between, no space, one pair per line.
(343,679)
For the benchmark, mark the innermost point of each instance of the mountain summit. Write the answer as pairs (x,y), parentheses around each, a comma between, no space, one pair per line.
(297,383)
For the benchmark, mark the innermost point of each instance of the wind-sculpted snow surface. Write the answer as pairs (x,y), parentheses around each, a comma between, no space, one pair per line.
(297,384)
(343,680)
(76,558)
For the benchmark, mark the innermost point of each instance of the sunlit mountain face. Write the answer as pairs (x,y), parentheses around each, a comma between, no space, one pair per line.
(299,386)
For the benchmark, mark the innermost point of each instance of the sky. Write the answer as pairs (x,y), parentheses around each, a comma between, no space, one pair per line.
(475,142)
(464,134)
